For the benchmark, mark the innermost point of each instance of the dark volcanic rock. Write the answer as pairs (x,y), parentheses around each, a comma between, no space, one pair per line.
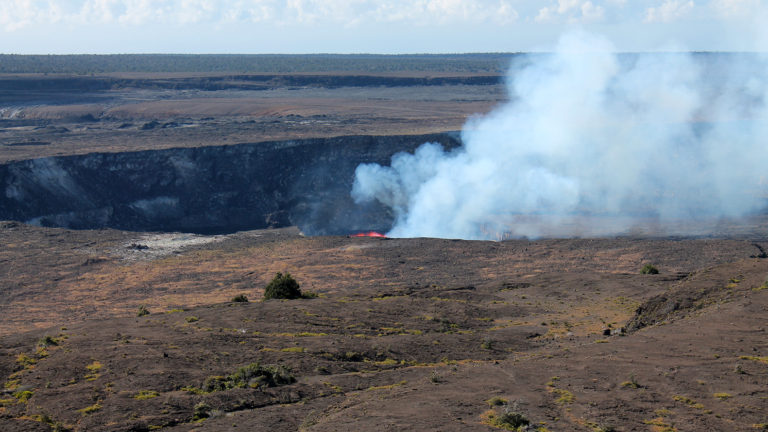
(149,125)
(208,189)
(691,293)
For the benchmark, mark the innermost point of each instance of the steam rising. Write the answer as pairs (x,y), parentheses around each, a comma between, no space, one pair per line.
(591,143)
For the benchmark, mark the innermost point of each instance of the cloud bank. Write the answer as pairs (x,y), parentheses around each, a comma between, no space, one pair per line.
(382,26)
(17,14)
(591,143)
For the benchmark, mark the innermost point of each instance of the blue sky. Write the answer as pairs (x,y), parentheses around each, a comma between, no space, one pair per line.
(373,26)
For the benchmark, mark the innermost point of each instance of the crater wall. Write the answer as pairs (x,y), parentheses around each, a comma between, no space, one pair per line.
(215,189)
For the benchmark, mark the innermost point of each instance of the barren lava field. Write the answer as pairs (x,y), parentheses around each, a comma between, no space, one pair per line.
(406,334)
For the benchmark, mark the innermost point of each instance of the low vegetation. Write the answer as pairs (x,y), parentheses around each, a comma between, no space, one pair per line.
(284,286)
(146,394)
(511,418)
(93,371)
(201,411)
(563,396)
(632,383)
(48,341)
(23,396)
(24,360)
(253,375)
(496,401)
(90,409)
(240,299)
(487,344)
(763,359)
(660,425)
(649,269)
(142,311)
(688,401)
(435,377)
(491,63)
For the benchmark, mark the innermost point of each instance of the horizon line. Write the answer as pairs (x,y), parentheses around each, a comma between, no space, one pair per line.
(435,54)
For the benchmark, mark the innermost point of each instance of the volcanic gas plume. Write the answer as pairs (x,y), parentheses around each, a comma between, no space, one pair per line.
(592,142)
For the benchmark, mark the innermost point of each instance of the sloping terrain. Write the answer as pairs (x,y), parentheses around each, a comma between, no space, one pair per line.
(406,334)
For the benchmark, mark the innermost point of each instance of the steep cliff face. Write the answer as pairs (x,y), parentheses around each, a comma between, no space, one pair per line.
(206,189)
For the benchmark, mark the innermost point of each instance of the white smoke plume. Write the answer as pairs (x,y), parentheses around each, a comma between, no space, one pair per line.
(592,142)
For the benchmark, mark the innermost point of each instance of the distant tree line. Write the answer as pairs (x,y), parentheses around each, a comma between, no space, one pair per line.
(489,63)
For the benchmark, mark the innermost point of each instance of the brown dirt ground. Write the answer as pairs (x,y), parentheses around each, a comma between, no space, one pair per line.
(53,124)
(407,334)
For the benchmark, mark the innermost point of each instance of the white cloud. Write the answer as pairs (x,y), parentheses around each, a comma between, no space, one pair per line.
(734,7)
(590,12)
(193,11)
(749,17)
(100,11)
(17,14)
(448,11)
(565,6)
(470,24)
(138,12)
(572,11)
(670,10)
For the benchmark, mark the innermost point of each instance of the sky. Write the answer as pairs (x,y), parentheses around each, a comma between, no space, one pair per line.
(373,26)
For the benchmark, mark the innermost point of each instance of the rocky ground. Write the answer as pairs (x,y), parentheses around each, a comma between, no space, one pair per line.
(56,122)
(405,334)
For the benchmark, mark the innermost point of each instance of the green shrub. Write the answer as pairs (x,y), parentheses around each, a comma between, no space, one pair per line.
(23,396)
(513,419)
(487,344)
(496,401)
(649,269)
(146,394)
(241,298)
(90,409)
(253,375)
(47,341)
(25,360)
(142,311)
(55,426)
(215,383)
(632,383)
(201,411)
(435,377)
(510,419)
(282,286)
